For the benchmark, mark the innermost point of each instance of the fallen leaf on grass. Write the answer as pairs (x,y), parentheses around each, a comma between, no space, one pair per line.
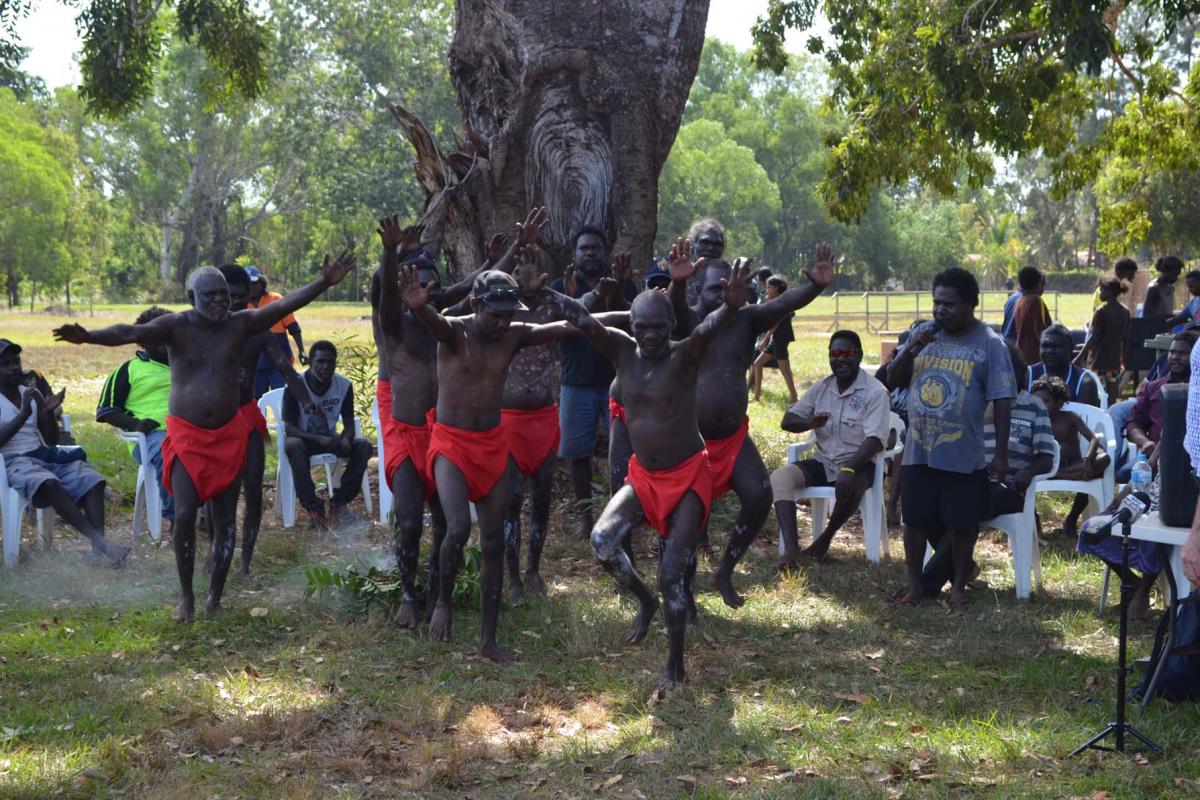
(843,720)
(251,671)
(1100,795)
(792,728)
(877,654)
(613,781)
(259,611)
(853,698)
(916,729)
(687,781)
(1088,683)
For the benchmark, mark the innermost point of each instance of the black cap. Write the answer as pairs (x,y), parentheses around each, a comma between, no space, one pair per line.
(7,345)
(498,290)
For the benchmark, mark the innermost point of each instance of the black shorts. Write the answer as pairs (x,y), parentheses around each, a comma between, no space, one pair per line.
(942,500)
(814,473)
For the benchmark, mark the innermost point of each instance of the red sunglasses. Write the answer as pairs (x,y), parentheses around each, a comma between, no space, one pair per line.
(847,353)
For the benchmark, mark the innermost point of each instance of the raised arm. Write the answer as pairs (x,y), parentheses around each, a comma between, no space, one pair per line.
(156,331)
(682,268)
(416,297)
(527,234)
(606,340)
(332,273)
(397,243)
(736,293)
(769,314)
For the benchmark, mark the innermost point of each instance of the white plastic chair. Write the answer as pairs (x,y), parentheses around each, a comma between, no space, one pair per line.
(13,507)
(1099,388)
(875,535)
(147,503)
(385,487)
(285,487)
(1100,491)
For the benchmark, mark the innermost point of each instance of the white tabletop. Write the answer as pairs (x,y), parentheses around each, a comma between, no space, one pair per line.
(1151,529)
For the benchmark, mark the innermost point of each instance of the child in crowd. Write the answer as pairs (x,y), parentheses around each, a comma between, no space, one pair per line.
(1104,350)
(1068,428)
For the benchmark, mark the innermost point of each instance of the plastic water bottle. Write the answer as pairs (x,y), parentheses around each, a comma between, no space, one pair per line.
(1139,480)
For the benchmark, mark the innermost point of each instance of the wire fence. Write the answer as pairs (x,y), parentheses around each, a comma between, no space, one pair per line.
(889,313)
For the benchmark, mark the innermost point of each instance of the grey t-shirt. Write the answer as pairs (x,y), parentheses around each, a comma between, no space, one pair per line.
(329,406)
(953,380)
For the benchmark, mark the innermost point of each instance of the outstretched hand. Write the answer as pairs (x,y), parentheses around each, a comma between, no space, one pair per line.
(822,272)
(737,287)
(679,261)
(54,401)
(334,271)
(569,284)
(608,288)
(531,279)
(72,333)
(411,291)
(529,231)
(622,267)
(393,236)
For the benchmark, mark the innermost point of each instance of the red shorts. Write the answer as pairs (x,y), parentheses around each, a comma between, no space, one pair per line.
(616,411)
(212,457)
(722,455)
(255,419)
(532,435)
(402,441)
(660,491)
(481,456)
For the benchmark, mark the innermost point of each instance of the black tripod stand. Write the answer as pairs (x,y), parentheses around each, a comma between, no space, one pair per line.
(1120,728)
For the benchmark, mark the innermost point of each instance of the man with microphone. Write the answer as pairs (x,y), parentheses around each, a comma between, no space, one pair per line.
(954,369)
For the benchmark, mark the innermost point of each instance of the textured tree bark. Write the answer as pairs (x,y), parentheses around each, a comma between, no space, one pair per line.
(570,105)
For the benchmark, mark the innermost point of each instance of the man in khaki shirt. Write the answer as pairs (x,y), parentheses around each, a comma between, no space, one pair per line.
(850,416)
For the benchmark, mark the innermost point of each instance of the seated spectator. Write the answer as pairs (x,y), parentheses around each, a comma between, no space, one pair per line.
(1030,316)
(135,398)
(1143,556)
(1160,294)
(1056,350)
(1191,311)
(772,345)
(1145,422)
(1030,453)
(1068,427)
(1104,350)
(309,434)
(29,440)
(848,412)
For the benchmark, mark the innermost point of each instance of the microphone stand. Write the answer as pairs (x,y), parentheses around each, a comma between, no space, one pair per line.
(1120,728)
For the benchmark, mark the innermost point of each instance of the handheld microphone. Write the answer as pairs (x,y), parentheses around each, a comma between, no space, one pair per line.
(1131,509)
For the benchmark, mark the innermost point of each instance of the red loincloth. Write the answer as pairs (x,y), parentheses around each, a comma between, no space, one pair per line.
(212,457)
(255,419)
(722,455)
(616,411)
(481,456)
(403,441)
(660,491)
(531,435)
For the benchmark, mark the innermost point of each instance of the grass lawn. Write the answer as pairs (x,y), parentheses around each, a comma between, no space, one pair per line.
(815,689)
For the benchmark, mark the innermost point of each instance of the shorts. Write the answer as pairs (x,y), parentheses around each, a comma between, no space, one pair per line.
(942,500)
(27,475)
(785,480)
(581,409)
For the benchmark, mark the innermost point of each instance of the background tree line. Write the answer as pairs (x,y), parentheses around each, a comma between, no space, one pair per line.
(120,208)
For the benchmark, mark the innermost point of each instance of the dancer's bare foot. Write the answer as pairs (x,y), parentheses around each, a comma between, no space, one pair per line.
(212,608)
(186,610)
(723,583)
(439,623)
(671,678)
(115,554)
(492,652)
(534,583)
(641,623)
(516,591)
(406,616)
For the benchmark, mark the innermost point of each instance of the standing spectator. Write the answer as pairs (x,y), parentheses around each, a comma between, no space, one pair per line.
(1056,350)
(1104,350)
(586,372)
(953,374)
(1010,305)
(267,377)
(311,433)
(1160,294)
(1030,317)
(135,398)
(1030,453)
(708,241)
(772,345)
(1191,442)
(1191,311)
(1125,271)
(28,441)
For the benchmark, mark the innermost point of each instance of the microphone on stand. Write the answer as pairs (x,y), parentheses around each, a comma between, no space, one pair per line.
(1131,509)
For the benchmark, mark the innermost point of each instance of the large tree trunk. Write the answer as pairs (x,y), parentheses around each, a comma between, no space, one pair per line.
(570,105)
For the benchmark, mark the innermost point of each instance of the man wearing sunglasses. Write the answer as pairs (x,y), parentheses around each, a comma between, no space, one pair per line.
(849,413)
(734,459)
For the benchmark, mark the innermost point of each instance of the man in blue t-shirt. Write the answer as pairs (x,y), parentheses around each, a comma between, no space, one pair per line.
(953,369)
(586,372)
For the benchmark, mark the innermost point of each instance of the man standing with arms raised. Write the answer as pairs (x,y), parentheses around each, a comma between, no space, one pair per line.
(721,410)
(206,433)
(953,367)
